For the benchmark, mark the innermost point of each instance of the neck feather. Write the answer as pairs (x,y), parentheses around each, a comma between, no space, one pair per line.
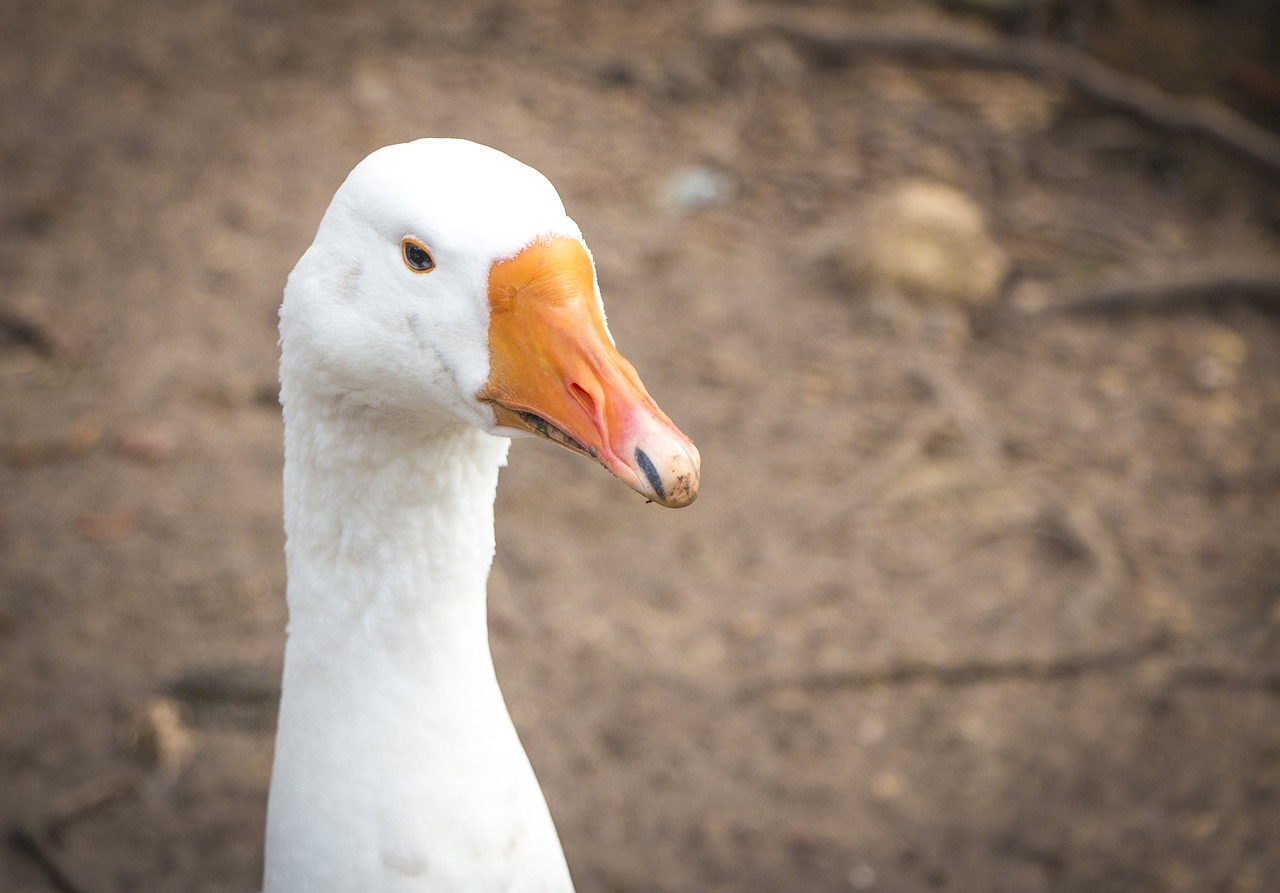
(389,528)
(397,766)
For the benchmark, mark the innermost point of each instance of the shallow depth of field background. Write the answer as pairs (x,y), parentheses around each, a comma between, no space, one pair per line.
(982,592)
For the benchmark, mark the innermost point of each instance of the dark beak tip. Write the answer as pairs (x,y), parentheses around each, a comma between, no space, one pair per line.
(674,484)
(650,472)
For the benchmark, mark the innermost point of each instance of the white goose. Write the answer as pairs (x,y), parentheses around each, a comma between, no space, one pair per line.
(447,304)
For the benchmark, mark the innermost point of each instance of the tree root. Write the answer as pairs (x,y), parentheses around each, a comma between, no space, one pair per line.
(1069,668)
(843,35)
(1220,678)
(960,675)
(1188,289)
(27,844)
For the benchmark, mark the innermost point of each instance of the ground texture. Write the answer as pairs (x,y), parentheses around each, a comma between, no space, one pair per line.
(981,592)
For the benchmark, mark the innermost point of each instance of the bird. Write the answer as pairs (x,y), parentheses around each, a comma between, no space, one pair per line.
(447,304)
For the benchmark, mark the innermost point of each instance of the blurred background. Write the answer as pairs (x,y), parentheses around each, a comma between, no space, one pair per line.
(971,307)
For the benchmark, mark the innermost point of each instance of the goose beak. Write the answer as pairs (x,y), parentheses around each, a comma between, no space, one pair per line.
(554,372)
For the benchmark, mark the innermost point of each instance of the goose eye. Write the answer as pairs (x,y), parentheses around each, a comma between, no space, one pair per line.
(416,256)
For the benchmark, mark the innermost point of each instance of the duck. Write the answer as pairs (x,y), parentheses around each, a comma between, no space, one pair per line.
(447,305)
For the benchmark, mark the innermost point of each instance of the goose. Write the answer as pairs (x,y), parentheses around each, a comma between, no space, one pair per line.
(446,305)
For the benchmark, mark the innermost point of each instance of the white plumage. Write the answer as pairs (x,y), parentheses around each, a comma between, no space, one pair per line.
(397,766)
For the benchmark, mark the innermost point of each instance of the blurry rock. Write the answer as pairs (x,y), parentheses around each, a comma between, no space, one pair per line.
(925,240)
(862,877)
(108,527)
(163,739)
(81,434)
(872,729)
(779,60)
(372,90)
(1032,296)
(697,187)
(1210,373)
(748,626)
(225,251)
(1222,356)
(149,442)
(228,393)
(78,437)
(1007,101)
(888,785)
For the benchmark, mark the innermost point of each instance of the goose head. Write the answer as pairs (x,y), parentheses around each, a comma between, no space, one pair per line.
(446,285)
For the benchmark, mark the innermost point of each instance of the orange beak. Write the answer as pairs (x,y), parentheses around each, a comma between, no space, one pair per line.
(554,371)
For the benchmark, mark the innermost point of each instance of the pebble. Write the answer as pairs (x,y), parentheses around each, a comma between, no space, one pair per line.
(862,877)
(697,187)
(150,442)
(888,785)
(78,438)
(109,527)
(163,739)
(927,240)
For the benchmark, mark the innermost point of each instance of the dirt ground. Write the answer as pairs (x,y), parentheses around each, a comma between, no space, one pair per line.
(981,594)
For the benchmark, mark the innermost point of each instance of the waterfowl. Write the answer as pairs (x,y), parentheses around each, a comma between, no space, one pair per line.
(447,304)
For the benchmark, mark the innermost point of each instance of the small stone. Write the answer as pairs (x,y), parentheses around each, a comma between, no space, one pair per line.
(862,877)
(1032,296)
(887,785)
(108,527)
(83,433)
(975,728)
(1210,373)
(697,187)
(872,730)
(1204,824)
(150,442)
(927,240)
(749,625)
(1224,353)
(778,60)
(163,739)
(816,388)
(1112,383)
(78,438)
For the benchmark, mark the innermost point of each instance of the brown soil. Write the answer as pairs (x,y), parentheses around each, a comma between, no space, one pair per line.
(972,599)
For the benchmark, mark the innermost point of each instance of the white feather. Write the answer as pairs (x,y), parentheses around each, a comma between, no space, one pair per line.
(397,767)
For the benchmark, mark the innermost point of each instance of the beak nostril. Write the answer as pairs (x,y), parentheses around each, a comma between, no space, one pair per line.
(584,398)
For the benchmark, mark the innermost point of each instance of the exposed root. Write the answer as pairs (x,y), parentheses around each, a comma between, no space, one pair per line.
(236,684)
(959,675)
(1220,678)
(842,35)
(1190,289)
(1069,668)
(83,802)
(27,844)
